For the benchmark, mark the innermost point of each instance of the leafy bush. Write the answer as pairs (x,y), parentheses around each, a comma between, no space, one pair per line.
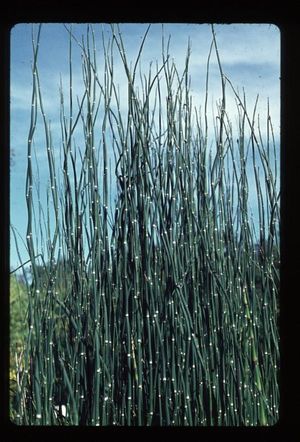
(18,328)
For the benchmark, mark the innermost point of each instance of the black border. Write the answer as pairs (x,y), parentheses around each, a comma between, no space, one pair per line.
(285,18)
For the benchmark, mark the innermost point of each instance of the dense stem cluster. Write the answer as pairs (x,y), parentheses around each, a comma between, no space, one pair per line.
(156,302)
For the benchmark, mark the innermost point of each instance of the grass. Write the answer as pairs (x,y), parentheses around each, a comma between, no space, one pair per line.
(158,306)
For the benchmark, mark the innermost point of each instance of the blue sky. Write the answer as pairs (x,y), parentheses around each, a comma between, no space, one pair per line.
(250,56)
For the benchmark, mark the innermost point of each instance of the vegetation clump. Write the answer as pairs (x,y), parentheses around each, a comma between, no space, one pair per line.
(153,294)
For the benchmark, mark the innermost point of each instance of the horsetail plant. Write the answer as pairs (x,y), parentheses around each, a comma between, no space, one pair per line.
(153,297)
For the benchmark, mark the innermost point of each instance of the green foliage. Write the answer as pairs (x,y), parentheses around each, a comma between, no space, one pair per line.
(18,330)
(18,314)
(157,308)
